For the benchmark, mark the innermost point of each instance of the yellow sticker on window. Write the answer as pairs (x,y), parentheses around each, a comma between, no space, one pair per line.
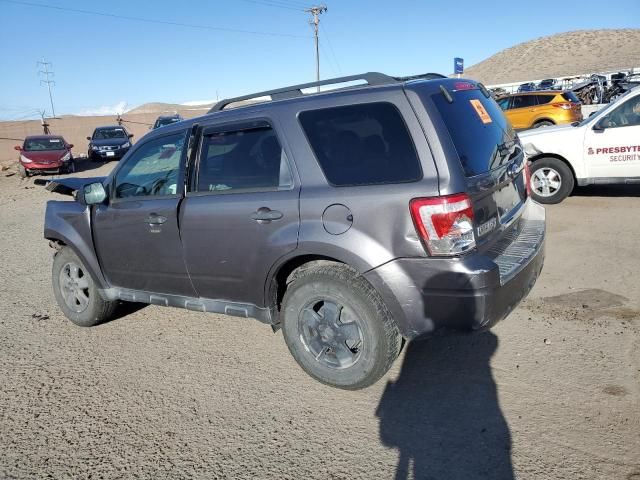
(480,110)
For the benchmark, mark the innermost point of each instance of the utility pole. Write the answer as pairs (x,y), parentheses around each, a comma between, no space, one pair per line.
(45,125)
(48,75)
(315,21)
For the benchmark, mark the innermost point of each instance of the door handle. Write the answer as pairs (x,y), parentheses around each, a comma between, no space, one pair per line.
(265,215)
(155,219)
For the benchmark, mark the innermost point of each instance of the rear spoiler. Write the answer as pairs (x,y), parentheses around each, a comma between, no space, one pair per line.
(66,186)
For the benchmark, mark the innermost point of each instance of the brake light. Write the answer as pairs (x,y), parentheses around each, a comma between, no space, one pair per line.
(564,106)
(445,224)
(463,86)
(527,177)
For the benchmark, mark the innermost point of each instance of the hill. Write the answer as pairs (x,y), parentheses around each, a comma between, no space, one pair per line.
(167,108)
(559,55)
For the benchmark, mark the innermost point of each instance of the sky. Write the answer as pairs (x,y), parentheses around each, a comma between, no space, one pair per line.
(108,64)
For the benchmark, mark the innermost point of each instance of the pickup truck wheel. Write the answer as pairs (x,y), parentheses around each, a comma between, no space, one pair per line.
(76,292)
(337,327)
(551,180)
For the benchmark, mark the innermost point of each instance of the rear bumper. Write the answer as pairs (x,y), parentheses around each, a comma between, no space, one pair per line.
(473,292)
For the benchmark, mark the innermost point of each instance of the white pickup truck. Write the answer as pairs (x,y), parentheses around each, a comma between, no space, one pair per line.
(602,149)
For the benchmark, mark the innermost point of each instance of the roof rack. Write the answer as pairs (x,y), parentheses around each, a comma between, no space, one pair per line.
(372,79)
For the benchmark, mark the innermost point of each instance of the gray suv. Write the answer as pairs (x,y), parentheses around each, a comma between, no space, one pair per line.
(352,219)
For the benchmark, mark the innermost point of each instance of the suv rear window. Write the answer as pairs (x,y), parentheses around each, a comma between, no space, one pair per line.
(480,140)
(362,144)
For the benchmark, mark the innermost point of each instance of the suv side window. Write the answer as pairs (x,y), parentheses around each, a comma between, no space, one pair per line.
(362,144)
(503,103)
(154,169)
(626,115)
(523,101)
(249,159)
(543,99)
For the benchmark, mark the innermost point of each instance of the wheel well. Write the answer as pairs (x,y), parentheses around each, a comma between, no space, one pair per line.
(557,157)
(543,120)
(283,276)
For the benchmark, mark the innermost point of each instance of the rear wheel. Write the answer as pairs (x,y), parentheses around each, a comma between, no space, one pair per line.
(543,123)
(551,180)
(76,292)
(337,327)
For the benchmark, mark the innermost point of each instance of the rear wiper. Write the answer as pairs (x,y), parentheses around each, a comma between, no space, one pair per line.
(446,94)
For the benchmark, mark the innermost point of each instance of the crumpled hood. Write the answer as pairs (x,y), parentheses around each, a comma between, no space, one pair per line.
(66,186)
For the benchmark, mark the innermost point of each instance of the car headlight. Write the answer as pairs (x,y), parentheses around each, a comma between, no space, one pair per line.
(66,157)
(93,147)
(24,159)
(125,145)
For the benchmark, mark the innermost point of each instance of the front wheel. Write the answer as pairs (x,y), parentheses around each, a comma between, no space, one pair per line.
(337,327)
(76,292)
(551,180)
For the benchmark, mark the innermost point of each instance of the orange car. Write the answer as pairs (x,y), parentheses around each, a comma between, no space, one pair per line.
(540,109)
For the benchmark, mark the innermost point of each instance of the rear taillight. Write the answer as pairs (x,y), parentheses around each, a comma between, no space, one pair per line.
(527,177)
(445,224)
(564,106)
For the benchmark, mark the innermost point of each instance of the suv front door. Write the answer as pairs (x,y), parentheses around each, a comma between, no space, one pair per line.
(611,146)
(241,214)
(136,233)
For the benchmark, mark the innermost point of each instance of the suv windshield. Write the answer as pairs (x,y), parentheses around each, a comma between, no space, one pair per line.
(108,133)
(161,122)
(479,130)
(41,144)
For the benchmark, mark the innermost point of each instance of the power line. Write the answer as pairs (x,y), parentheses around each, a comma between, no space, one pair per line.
(46,80)
(333,54)
(271,3)
(149,20)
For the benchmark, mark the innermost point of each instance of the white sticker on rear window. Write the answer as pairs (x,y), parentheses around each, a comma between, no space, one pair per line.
(54,140)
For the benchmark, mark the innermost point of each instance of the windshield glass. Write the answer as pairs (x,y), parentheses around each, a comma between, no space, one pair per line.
(42,144)
(481,134)
(161,122)
(108,133)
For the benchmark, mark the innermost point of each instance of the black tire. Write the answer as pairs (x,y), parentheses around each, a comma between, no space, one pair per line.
(96,310)
(551,168)
(71,168)
(543,123)
(328,283)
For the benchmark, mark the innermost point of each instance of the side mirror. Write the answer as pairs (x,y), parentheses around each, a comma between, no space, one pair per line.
(599,126)
(89,138)
(94,193)
(18,148)
(70,145)
(131,135)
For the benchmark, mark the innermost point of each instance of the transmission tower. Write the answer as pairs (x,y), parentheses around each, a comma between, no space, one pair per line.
(45,79)
(315,22)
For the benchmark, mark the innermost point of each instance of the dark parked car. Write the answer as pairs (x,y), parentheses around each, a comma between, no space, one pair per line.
(547,84)
(45,154)
(164,120)
(527,87)
(350,219)
(109,143)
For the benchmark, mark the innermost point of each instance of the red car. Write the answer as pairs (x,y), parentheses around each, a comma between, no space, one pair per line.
(45,154)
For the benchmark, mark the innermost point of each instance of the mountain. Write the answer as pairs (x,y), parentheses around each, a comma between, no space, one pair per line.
(561,55)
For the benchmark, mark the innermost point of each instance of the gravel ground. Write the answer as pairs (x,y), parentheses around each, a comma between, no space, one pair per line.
(553,392)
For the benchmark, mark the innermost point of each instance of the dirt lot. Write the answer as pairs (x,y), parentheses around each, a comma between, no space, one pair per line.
(553,392)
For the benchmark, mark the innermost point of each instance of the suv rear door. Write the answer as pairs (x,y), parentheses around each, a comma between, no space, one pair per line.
(241,213)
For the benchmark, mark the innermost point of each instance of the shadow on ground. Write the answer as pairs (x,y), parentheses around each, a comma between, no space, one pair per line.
(607,191)
(85,165)
(442,413)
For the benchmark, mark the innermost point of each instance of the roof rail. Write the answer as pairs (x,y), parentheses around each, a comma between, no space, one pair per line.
(372,79)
